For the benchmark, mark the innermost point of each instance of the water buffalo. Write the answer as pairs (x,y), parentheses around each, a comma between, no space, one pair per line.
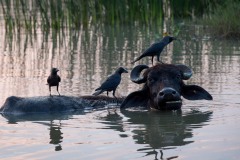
(163,87)
(55,104)
(162,90)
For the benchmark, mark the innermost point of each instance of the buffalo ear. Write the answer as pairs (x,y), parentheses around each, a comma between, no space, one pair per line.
(134,99)
(194,92)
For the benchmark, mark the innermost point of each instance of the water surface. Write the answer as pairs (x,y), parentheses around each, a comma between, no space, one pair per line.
(202,130)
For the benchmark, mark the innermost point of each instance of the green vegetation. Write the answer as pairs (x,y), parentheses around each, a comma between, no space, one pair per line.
(224,19)
(57,15)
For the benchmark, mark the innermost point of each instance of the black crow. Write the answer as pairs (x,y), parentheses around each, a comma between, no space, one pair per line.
(111,83)
(155,49)
(53,79)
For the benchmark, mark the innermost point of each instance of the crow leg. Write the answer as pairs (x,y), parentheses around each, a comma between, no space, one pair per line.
(152,59)
(158,59)
(50,90)
(107,93)
(57,91)
(115,96)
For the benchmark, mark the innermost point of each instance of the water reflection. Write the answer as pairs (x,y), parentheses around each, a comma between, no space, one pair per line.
(154,131)
(15,118)
(159,131)
(52,121)
(55,133)
(56,136)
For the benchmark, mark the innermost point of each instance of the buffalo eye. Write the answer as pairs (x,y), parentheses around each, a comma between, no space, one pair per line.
(154,94)
(151,80)
(179,77)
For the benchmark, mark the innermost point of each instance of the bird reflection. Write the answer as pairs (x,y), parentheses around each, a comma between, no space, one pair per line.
(56,136)
(52,121)
(155,153)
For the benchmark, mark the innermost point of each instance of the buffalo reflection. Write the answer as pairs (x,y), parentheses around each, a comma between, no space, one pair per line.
(159,130)
(53,121)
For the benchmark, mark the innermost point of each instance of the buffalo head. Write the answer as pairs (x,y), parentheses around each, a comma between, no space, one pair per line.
(163,87)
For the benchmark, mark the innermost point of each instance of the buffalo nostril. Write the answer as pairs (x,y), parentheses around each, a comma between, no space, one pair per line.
(174,92)
(161,94)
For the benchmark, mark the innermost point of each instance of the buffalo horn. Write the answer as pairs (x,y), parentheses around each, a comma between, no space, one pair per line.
(187,72)
(135,74)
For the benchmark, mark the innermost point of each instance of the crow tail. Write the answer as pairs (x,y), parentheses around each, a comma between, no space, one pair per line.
(97,92)
(137,59)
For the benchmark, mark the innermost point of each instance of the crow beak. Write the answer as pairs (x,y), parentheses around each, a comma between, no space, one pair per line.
(174,38)
(124,70)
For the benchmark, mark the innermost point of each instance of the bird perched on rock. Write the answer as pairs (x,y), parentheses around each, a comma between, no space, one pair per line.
(111,83)
(156,48)
(53,79)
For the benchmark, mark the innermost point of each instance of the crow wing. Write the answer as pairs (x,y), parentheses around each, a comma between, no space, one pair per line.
(110,83)
(59,79)
(153,49)
(49,79)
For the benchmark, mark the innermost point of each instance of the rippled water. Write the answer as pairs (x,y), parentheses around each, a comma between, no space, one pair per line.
(202,130)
